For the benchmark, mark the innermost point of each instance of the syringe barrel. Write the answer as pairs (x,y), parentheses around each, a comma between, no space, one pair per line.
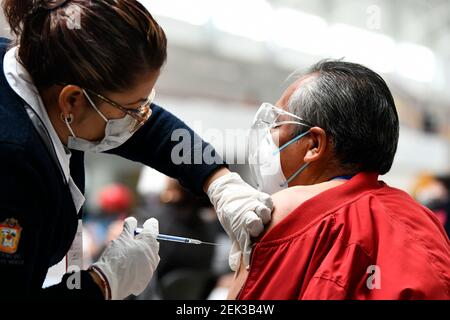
(172,238)
(165,237)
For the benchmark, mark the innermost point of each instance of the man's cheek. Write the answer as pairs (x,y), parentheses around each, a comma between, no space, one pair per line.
(284,164)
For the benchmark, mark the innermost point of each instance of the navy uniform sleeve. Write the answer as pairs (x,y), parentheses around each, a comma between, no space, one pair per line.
(168,145)
(22,240)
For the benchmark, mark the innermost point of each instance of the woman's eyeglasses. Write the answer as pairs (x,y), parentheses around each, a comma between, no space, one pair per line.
(140,114)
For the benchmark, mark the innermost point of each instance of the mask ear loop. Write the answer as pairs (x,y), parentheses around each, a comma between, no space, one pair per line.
(290,142)
(303,167)
(68,120)
(94,106)
(296,173)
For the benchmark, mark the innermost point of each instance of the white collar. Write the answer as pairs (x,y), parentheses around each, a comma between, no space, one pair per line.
(20,81)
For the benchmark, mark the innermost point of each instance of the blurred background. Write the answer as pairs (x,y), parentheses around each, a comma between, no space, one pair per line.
(225,58)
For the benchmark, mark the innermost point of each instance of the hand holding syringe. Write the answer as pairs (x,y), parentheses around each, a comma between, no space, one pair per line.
(165,237)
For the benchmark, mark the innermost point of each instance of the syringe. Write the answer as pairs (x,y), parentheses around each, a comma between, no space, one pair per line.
(165,237)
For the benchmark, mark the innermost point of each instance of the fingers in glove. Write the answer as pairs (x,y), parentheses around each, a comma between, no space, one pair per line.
(266,199)
(246,254)
(129,226)
(149,234)
(253,224)
(234,259)
(245,245)
(151,226)
(265,213)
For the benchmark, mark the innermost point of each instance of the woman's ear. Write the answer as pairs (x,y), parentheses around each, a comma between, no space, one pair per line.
(71,101)
(317,144)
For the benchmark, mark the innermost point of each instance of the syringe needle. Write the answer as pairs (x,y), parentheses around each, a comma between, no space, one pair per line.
(210,243)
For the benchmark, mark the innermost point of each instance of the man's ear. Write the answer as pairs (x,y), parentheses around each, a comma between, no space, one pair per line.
(317,144)
(71,100)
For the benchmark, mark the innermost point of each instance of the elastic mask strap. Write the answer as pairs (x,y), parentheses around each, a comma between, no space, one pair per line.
(69,127)
(296,173)
(303,167)
(284,146)
(94,106)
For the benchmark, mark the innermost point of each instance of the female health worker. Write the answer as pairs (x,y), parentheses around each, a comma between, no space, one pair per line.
(80,77)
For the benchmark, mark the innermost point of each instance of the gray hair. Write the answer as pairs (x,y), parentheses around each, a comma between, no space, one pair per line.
(355,107)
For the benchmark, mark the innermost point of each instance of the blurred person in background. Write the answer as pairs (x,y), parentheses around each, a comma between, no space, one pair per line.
(337,231)
(181,213)
(115,204)
(80,77)
(434,193)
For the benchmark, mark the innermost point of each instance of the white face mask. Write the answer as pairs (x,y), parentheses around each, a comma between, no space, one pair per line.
(117,132)
(270,177)
(264,153)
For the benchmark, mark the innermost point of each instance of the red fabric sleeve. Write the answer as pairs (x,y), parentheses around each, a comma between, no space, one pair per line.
(320,288)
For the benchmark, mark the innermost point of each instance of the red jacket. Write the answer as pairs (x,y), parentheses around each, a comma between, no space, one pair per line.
(360,240)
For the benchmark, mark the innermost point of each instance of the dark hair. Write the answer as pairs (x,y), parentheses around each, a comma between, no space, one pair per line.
(354,106)
(102,45)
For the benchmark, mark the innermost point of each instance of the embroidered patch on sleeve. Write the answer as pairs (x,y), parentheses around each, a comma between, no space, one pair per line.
(9,235)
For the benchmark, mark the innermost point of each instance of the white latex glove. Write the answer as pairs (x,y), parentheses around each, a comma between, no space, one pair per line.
(242,210)
(129,262)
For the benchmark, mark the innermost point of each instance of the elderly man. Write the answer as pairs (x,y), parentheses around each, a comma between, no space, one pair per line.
(337,231)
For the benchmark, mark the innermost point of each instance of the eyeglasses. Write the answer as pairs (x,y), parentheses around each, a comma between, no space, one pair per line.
(140,114)
(271,116)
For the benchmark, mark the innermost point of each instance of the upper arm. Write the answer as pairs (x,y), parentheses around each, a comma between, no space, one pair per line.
(21,196)
(168,145)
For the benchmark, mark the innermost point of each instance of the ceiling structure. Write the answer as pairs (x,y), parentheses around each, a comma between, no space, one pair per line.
(224,57)
(233,50)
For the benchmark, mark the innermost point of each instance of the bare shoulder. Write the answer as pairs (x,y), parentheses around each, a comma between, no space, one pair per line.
(287,200)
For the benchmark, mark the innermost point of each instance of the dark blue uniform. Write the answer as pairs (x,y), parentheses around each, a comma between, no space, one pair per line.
(34,193)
